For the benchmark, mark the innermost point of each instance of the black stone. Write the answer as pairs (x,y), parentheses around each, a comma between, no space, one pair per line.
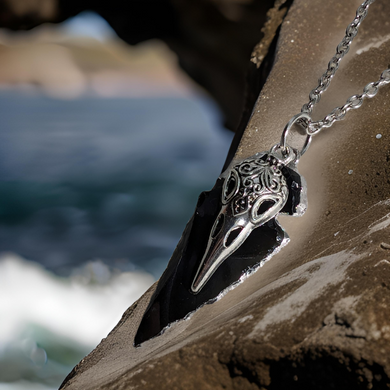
(173,299)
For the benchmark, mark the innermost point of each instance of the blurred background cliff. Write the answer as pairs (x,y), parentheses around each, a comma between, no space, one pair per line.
(104,148)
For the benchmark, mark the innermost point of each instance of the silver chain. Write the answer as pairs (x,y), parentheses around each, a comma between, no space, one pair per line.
(355,101)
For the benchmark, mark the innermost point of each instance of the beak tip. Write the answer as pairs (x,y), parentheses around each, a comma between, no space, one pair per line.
(195,288)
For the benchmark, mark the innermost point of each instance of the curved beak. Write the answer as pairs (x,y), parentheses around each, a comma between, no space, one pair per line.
(220,246)
(230,231)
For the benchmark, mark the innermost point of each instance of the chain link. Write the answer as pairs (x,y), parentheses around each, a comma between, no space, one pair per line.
(355,101)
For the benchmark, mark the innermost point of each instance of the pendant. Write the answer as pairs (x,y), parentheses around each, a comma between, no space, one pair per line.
(254,192)
(232,233)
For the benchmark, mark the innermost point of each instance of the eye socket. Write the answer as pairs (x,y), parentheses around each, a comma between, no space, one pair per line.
(265,206)
(233,234)
(230,186)
(217,225)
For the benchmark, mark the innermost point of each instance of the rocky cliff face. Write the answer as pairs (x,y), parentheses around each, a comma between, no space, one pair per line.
(213,39)
(318,314)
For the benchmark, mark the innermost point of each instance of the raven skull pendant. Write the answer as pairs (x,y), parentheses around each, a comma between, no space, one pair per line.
(254,192)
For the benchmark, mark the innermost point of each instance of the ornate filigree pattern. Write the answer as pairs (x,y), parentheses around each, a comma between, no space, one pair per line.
(254,192)
(251,179)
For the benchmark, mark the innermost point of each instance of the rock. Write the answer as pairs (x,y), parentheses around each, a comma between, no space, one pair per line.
(213,39)
(318,314)
(385,245)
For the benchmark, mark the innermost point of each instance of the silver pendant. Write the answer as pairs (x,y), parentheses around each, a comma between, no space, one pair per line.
(254,191)
(233,232)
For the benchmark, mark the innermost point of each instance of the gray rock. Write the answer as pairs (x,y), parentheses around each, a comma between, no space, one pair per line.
(318,314)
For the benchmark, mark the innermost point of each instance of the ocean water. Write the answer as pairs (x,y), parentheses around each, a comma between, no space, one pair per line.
(94,195)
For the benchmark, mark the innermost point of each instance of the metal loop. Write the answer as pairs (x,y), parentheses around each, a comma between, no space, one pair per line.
(301,116)
(386,75)
(370,90)
(323,83)
(354,102)
(287,154)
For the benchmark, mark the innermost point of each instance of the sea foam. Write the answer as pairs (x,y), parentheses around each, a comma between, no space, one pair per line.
(49,323)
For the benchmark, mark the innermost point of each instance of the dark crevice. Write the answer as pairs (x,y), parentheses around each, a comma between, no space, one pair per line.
(353,336)
(341,321)
(318,369)
(237,370)
(322,370)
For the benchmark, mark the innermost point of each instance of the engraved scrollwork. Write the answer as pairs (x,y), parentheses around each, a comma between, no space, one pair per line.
(254,192)
(256,178)
(230,187)
(251,167)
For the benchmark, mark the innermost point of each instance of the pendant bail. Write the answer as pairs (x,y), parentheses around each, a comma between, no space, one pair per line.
(283,141)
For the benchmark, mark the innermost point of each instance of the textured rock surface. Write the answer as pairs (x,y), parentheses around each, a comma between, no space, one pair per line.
(318,314)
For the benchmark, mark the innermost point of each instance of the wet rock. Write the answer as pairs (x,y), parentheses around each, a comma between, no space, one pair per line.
(318,314)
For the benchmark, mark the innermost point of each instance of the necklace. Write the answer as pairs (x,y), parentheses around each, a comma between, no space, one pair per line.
(258,189)
(234,229)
